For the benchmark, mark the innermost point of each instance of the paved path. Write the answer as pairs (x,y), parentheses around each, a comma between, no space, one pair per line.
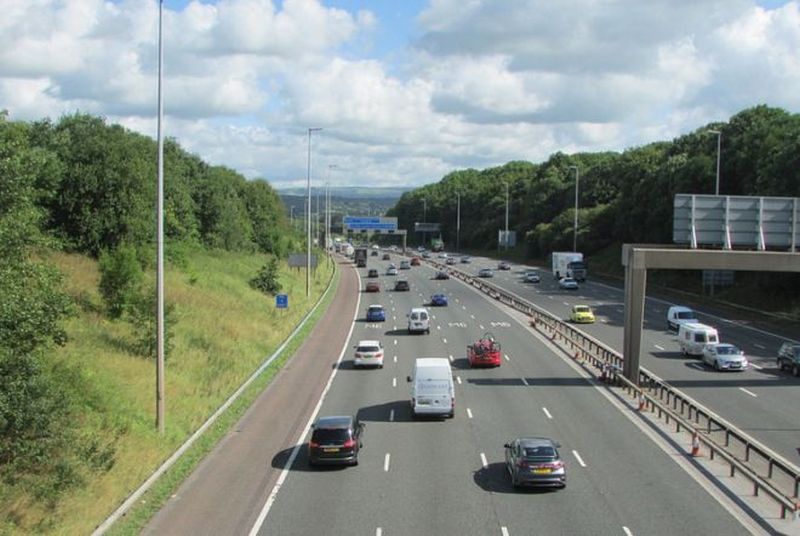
(227,490)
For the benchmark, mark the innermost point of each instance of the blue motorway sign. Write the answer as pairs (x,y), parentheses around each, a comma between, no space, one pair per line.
(371,223)
(282,301)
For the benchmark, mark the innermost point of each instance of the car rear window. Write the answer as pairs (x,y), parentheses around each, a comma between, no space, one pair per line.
(330,434)
(539,453)
(367,349)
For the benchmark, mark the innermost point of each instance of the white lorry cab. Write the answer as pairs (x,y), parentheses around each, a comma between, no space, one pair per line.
(677,315)
(693,337)
(432,389)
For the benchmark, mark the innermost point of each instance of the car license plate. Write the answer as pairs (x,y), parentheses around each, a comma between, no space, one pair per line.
(541,471)
(330,450)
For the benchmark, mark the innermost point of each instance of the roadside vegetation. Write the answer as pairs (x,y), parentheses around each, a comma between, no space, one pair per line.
(625,197)
(77,254)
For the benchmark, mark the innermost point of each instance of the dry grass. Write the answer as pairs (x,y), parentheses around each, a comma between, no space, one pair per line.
(224,331)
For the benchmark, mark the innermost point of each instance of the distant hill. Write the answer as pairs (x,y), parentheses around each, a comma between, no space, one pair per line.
(345,201)
(352,192)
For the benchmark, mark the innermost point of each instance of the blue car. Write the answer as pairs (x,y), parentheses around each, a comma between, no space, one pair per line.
(375,313)
(440,300)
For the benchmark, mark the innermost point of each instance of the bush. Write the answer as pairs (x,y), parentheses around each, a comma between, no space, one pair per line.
(142,314)
(120,278)
(267,279)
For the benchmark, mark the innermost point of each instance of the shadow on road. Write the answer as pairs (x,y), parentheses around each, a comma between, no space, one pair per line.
(301,461)
(494,478)
(517,382)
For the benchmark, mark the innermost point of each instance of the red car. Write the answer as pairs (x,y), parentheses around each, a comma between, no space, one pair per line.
(414,261)
(373,286)
(484,352)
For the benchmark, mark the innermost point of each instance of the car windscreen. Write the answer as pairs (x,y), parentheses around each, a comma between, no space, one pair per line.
(539,453)
(322,435)
(727,350)
(414,316)
(582,310)
(685,315)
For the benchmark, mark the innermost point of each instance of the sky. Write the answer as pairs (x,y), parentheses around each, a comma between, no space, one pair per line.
(405,91)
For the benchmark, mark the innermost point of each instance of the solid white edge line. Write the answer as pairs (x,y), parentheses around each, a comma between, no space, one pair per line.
(578,457)
(386,462)
(484,461)
(262,516)
(469,413)
(751,393)
(547,413)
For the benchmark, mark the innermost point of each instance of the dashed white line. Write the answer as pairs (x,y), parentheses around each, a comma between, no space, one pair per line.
(394,359)
(483,461)
(751,393)
(757,367)
(659,347)
(444,340)
(469,413)
(697,366)
(451,358)
(391,415)
(458,379)
(578,457)
(386,462)
(627,531)
(395,342)
(394,328)
(465,308)
(525,382)
(439,327)
(547,413)
(507,358)
(565,303)
(378,532)
(549,297)
(759,346)
(481,326)
(504,531)
(394,381)
(472,317)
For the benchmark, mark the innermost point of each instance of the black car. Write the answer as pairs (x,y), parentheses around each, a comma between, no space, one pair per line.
(789,358)
(386,257)
(401,284)
(442,275)
(374,253)
(373,272)
(534,461)
(335,440)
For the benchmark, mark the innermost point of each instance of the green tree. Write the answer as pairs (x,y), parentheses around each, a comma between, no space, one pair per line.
(267,279)
(120,278)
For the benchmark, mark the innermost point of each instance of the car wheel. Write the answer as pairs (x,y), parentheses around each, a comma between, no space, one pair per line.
(716,365)
(428,331)
(796,370)
(514,482)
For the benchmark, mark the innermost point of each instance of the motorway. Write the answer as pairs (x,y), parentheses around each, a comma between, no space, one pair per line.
(761,401)
(448,477)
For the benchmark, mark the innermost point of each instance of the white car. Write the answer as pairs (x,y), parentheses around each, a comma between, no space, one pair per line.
(485,272)
(405,265)
(724,356)
(567,283)
(368,354)
(532,277)
(391,271)
(419,320)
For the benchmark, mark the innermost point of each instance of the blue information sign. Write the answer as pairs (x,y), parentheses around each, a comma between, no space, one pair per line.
(282,301)
(370,223)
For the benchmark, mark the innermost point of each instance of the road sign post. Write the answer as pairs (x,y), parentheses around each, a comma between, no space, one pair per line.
(282,301)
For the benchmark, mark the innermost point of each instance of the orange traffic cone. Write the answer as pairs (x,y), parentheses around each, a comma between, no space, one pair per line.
(695,445)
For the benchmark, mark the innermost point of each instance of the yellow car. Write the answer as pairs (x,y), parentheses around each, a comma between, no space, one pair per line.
(582,314)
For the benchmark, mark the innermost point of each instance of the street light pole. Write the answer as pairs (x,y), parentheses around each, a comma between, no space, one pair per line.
(458,223)
(308,216)
(160,404)
(506,235)
(575,223)
(719,146)
(424,220)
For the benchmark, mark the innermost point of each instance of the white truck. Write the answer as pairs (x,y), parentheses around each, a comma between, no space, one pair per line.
(569,264)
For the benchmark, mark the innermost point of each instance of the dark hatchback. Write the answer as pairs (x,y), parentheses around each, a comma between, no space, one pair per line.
(534,461)
(401,285)
(335,440)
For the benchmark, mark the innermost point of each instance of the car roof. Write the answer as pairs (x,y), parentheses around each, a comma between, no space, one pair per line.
(418,309)
(536,442)
(376,306)
(334,421)
(369,343)
(439,294)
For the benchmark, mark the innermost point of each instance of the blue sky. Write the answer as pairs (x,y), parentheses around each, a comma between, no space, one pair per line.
(406,91)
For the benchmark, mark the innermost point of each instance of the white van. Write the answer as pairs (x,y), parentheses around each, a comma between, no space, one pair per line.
(419,320)
(693,337)
(677,315)
(432,389)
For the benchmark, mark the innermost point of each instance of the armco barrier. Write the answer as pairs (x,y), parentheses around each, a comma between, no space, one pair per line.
(767,470)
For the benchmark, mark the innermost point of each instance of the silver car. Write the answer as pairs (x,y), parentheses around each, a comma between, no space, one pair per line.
(391,271)
(724,356)
(485,272)
(535,461)
(532,277)
(568,283)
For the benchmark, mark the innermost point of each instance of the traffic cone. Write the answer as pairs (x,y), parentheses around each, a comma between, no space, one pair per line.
(695,445)
(577,355)
(642,402)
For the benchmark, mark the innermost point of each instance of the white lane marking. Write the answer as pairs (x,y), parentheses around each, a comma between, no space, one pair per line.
(393,309)
(378,532)
(757,367)
(451,358)
(751,393)
(433,317)
(394,381)
(394,359)
(394,317)
(464,307)
(395,342)
(438,327)
(394,328)
(549,297)
(525,382)
(483,461)
(504,531)
(697,366)
(627,531)
(458,379)
(565,303)
(472,317)
(391,415)
(481,326)
(547,413)
(262,515)
(507,358)
(760,346)
(578,457)
(386,462)
(444,340)
(659,347)
(469,413)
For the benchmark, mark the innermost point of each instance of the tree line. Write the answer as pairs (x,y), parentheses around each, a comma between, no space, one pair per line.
(81,185)
(623,197)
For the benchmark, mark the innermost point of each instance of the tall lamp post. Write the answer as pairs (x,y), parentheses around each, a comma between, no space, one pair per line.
(719,146)
(505,241)
(458,222)
(575,223)
(160,405)
(424,220)
(308,216)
